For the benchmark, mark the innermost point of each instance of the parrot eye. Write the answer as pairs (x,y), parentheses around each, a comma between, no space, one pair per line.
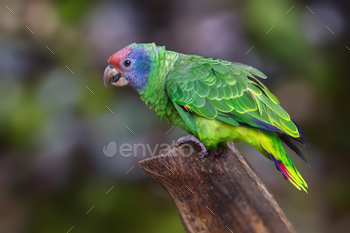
(127,63)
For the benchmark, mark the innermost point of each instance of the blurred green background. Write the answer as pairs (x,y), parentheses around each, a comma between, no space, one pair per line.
(53,129)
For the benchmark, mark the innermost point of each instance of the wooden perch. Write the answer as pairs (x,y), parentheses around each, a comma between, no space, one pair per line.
(216,195)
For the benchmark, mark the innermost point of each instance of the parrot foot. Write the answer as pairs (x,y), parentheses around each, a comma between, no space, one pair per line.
(192,138)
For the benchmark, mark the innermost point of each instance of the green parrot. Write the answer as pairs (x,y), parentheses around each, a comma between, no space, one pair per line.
(216,101)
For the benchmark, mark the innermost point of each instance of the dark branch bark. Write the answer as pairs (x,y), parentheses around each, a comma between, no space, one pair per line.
(216,195)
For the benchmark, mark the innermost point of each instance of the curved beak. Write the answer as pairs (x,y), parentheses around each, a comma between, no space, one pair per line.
(111,75)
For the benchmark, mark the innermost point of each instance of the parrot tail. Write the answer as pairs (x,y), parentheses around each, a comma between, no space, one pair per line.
(273,148)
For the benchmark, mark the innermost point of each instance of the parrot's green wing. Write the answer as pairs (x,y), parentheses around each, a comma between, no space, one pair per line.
(226,91)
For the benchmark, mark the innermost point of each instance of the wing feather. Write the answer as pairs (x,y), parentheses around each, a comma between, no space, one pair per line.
(229,92)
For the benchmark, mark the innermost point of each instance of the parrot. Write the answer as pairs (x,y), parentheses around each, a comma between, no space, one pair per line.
(214,100)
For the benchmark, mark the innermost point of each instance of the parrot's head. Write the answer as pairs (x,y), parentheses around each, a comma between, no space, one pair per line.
(129,66)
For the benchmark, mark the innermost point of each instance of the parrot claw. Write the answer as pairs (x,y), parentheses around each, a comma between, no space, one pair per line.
(192,138)
(220,152)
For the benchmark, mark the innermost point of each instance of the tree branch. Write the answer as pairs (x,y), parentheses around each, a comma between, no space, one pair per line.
(216,195)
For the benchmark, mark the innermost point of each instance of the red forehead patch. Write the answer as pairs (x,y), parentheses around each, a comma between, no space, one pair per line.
(116,58)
